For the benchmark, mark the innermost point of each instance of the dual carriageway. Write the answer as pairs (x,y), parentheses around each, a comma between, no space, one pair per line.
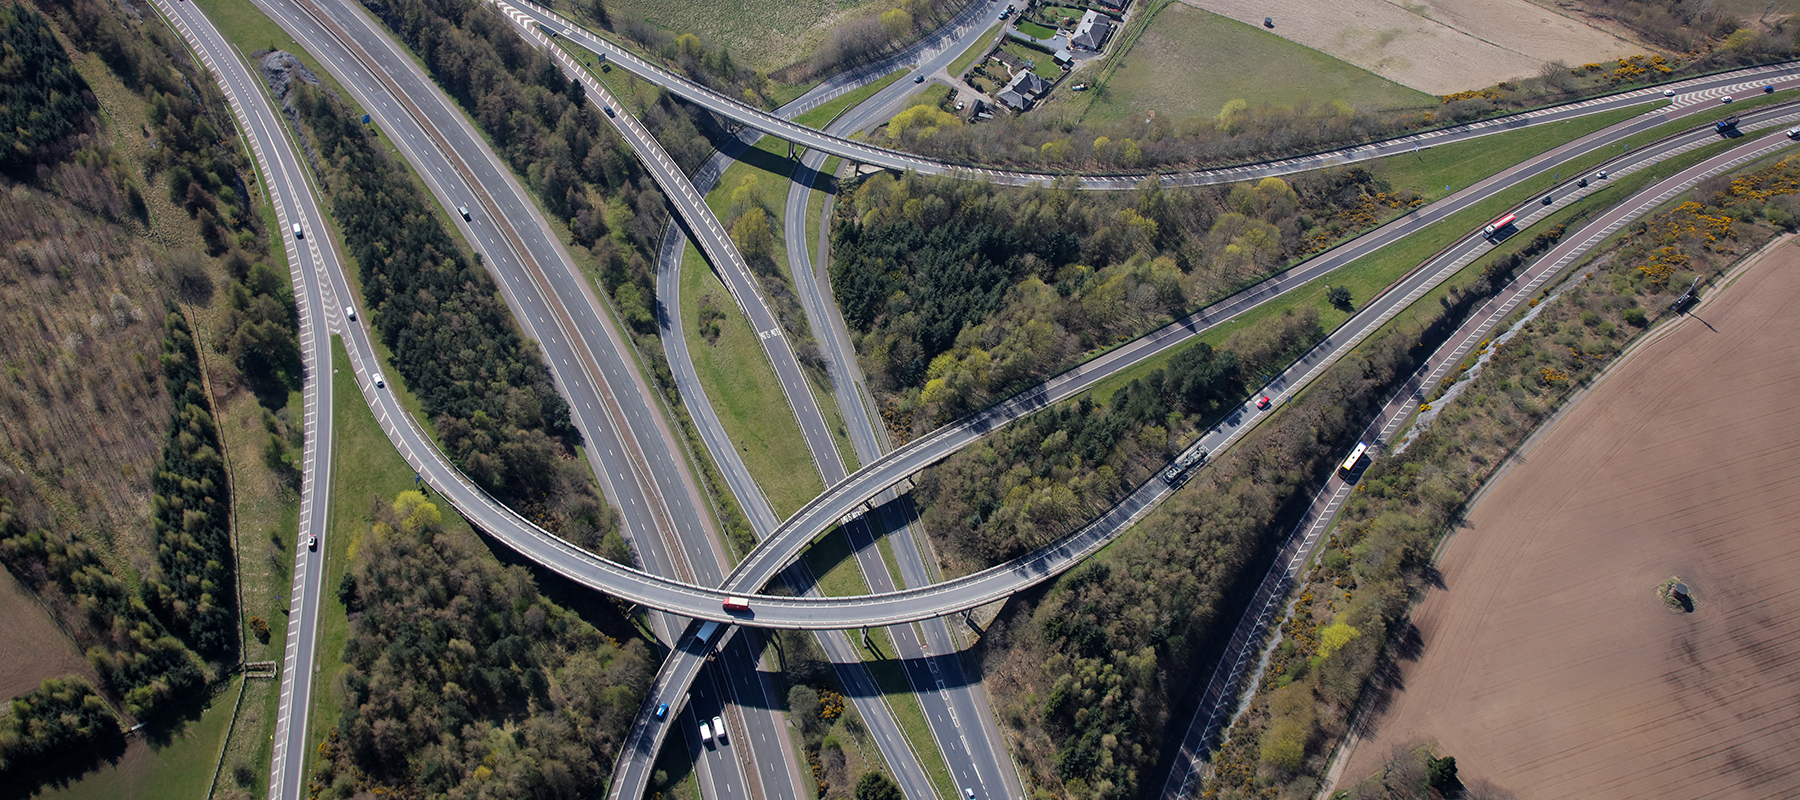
(462,169)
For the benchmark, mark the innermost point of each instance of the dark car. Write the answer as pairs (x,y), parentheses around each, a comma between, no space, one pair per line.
(1582,183)
(1768,90)
(662,710)
(1269,22)
(1548,199)
(610,112)
(918,79)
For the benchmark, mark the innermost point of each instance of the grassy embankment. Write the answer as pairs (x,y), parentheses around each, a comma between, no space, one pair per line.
(829,110)
(837,573)
(1457,165)
(732,367)
(1190,64)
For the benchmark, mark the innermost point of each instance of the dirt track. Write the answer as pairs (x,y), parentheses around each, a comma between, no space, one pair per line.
(1435,46)
(1549,666)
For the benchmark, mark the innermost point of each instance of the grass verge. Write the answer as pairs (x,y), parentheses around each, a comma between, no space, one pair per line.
(742,389)
(826,112)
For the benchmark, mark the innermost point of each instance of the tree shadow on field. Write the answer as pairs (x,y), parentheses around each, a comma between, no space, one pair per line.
(1387,681)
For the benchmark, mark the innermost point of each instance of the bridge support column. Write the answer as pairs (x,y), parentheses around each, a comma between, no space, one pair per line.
(791,156)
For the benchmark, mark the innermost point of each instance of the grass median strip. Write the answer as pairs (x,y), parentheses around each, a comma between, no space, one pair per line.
(829,110)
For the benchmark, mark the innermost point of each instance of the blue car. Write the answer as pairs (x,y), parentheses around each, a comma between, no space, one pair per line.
(662,710)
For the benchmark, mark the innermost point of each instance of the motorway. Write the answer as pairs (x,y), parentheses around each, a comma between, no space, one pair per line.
(977,589)
(855,492)
(417,447)
(308,260)
(288,773)
(1240,667)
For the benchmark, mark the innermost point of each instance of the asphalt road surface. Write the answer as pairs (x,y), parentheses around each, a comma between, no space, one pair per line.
(309,259)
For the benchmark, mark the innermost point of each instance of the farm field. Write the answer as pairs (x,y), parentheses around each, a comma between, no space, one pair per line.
(32,648)
(1190,63)
(764,34)
(1435,46)
(1548,666)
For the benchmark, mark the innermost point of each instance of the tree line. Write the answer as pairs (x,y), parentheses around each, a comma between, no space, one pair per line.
(485,387)
(194,586)
(1352,606)
(960,293)
(63,721)
(463,680)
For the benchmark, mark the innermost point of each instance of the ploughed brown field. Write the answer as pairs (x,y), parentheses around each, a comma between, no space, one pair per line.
(1435,46)
(1549,666)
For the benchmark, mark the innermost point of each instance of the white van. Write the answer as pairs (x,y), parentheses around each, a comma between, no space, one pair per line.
(705,734)
(719,729)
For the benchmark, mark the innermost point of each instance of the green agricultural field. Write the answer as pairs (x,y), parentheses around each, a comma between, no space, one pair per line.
(1190,63)
(765,34)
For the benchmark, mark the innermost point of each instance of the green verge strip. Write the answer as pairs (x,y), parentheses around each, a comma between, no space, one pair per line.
(741,386)
(819,117)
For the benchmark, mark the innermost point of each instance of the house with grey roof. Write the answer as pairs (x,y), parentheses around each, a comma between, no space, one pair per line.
(1092,33)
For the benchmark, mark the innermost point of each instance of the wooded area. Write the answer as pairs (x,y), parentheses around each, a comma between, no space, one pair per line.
(1353,604)
(465,681)
(485,387)
(193,588)
(961,293)
(1043,477)
(1089,673)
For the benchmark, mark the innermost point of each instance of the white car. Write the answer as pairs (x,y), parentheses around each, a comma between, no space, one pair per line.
(298,234)
(1725,99)
(719,729)
(705,733)
(1793,133)
(350,313)
(379,382)
(1668,93)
